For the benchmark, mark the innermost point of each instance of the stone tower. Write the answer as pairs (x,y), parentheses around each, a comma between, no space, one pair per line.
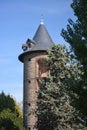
(34,69)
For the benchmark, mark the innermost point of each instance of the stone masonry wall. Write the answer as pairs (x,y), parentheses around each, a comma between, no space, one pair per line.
(31,86)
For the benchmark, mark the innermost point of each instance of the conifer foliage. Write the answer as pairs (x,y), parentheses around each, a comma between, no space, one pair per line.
(76,33)
(76,36)
(55,106)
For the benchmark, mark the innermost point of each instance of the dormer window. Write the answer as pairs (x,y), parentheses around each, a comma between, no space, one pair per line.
(24,47)
(30,43)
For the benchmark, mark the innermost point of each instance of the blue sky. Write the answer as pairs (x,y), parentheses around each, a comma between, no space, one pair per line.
(19,20)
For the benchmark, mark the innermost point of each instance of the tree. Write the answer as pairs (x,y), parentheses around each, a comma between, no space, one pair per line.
(6,101)
(10,121)
(55,106)
(76,36)
(10,114)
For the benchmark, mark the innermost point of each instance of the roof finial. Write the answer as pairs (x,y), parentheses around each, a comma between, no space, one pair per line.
(41,19)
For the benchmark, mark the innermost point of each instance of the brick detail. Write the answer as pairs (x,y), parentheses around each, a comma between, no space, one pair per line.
(34,68)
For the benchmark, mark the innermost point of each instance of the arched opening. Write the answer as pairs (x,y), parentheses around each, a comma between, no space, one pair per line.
(43,69)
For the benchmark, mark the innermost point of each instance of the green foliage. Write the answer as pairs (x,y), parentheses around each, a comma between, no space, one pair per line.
(6,102)
(76,33)
(18,111)
(76,36)
(10,113)
(55,106)
(10,120)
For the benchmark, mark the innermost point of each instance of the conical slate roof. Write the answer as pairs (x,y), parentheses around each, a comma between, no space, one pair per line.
(40,42)
(42,38)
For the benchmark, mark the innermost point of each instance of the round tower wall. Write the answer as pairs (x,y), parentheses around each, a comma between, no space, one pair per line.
(32,72)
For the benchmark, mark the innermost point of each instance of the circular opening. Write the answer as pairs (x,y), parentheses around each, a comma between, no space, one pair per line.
(29,81)
(29,59)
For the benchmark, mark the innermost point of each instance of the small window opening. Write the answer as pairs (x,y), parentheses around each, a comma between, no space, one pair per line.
(29,104)
(29,59)
(29,81)
(29,128)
